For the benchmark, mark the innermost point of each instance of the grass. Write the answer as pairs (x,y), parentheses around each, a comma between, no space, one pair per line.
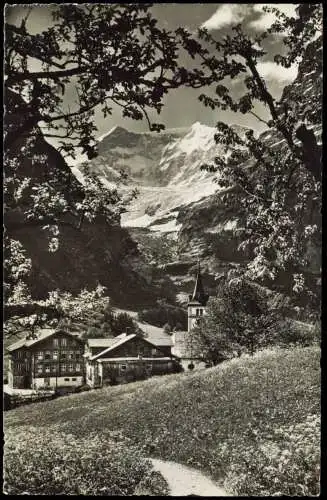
(252,423)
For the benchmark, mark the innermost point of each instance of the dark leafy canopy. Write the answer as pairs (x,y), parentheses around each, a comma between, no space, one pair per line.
(102,56)
(238,320)
(111,54)
(279,188)
(165,314)
(107,323)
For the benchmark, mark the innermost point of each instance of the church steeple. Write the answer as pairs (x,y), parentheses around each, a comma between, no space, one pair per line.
(198,294)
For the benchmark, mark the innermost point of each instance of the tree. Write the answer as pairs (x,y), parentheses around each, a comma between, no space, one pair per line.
(109,55)
(164,314)
(167,328)
(112,54)
(124,323)
(237,320)
(279,189)
(59,310)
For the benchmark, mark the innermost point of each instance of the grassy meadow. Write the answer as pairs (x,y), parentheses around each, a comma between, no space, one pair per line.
(252,423)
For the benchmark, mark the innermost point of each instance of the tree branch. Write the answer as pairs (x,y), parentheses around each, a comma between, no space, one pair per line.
(258,118)
(52,75)
(29,308)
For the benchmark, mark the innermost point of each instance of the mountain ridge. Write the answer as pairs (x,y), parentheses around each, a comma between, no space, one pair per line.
(180,203)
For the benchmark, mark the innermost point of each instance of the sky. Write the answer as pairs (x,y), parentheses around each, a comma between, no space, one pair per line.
(181,106)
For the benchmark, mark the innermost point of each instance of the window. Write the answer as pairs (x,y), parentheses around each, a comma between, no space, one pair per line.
(201,312)
(55,342)
(74,379)
(55,355)
(71,367)
(64,341)
(64,367)
(40,369)
(123,367)
(71,355)
(53,368)
(153,352)
(78,367)
(40,355)
(47,355)
(63,355)
(67,379)
(47,368)
(78,355)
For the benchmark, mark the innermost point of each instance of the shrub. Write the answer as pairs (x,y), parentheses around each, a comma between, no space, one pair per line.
(153,484)
(167,328)
(164,314)
(298,333)
(178,368)
(287,457)
(47,462)
(82,388)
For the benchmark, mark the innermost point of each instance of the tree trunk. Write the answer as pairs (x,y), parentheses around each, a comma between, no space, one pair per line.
(311,151)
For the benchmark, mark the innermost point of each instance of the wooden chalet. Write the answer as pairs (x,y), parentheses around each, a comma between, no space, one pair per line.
(53,359)
(125,358)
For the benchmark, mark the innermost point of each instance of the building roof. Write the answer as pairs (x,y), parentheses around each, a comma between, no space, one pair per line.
(40,335)
(102,342)
(120,340)
(156,335)
(164,358)
(199,296)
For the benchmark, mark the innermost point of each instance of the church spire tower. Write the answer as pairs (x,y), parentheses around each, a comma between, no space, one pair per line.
(197,301)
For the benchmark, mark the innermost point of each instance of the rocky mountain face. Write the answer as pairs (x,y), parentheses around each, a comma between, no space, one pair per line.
(179,207)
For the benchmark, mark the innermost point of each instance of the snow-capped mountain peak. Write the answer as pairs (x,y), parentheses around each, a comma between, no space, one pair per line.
(103,136)
(164,167)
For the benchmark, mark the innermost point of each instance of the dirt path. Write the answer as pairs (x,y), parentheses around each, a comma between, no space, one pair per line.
(185,481)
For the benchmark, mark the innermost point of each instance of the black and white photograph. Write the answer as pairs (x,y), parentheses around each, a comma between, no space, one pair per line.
(162,239)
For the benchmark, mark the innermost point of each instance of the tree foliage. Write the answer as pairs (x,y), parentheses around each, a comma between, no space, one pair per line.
(111,54)
(117,323)
(237,321)
(91,58)
(163,315)
(60,309)
(279,189)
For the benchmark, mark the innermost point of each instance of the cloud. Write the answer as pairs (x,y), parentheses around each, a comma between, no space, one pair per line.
(225,15)
(228,14)
(271,71)
(266,19)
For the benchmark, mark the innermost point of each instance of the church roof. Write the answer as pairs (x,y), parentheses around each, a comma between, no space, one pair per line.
(199,296)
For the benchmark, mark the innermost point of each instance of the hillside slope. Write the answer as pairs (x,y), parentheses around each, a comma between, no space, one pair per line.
(238,421)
